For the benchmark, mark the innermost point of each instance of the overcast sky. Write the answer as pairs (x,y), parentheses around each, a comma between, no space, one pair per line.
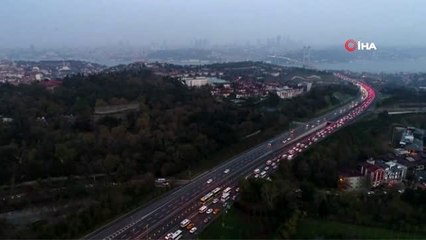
(73,23)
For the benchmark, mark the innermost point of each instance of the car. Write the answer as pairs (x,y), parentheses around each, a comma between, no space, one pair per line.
(185,222)
(206,220)
(193,230)
(274,167)
(256,176)
(216,200)
(266,168)
(202,209)
(209,211)
(191,225)
(226,171)
(237,189)
(169,236)
(209,181)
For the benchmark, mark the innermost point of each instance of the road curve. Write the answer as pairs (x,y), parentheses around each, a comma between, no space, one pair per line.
(160,217)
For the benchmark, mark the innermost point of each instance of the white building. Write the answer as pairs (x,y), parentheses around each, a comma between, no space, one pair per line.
(286,92)
(195,82)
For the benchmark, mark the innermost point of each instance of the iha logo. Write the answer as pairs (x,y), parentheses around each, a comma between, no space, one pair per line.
(352,45)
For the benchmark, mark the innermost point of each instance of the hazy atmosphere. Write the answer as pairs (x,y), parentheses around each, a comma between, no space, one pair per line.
(77,23)
(212,119)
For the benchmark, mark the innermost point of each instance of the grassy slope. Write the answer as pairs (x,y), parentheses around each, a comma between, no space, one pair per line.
(316,228)
(236,225)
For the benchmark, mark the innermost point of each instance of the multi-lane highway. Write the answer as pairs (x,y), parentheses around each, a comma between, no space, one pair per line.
(164,216)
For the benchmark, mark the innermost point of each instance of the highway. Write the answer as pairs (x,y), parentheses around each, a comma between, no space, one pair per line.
(164,216)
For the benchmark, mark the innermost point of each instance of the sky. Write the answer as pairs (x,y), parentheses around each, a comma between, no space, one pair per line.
(83,23)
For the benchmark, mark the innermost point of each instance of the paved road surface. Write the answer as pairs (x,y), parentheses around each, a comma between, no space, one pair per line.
(163,216)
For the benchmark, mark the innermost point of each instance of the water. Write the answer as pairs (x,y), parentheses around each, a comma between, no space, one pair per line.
(412,65)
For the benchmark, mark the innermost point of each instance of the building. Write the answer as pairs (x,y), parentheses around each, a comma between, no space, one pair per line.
(394,172)
(375,175)
(412,165)
(195,82)
(412,139)
(6,119)
(286,92)
(350,180)
(400,152)
(421,179)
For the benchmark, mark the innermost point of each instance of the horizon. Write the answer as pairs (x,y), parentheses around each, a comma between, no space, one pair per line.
(142,24)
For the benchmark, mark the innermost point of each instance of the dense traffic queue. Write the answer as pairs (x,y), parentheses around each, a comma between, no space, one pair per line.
(212,202)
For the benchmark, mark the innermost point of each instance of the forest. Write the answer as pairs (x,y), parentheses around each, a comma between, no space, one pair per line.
(305,190)
(54,135)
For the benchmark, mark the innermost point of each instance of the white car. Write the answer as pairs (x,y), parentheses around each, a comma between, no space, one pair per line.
(209,211)
(193,230)
(216,200)
(226,171)
(209,181)
(266,168)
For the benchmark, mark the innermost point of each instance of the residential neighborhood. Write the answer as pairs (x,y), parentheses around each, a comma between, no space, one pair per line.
(402,168)
(25,72)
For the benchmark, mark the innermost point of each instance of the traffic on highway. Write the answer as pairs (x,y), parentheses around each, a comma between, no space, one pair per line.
(186,211)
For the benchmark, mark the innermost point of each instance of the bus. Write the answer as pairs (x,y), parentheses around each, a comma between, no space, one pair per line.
(216,190)
(227,190)
(207,197)
(176,235)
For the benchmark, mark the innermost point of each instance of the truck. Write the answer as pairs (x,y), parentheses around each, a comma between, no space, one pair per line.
(174,236)
(225,197)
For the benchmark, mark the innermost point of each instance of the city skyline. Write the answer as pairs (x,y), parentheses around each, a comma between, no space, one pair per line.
(62,24)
